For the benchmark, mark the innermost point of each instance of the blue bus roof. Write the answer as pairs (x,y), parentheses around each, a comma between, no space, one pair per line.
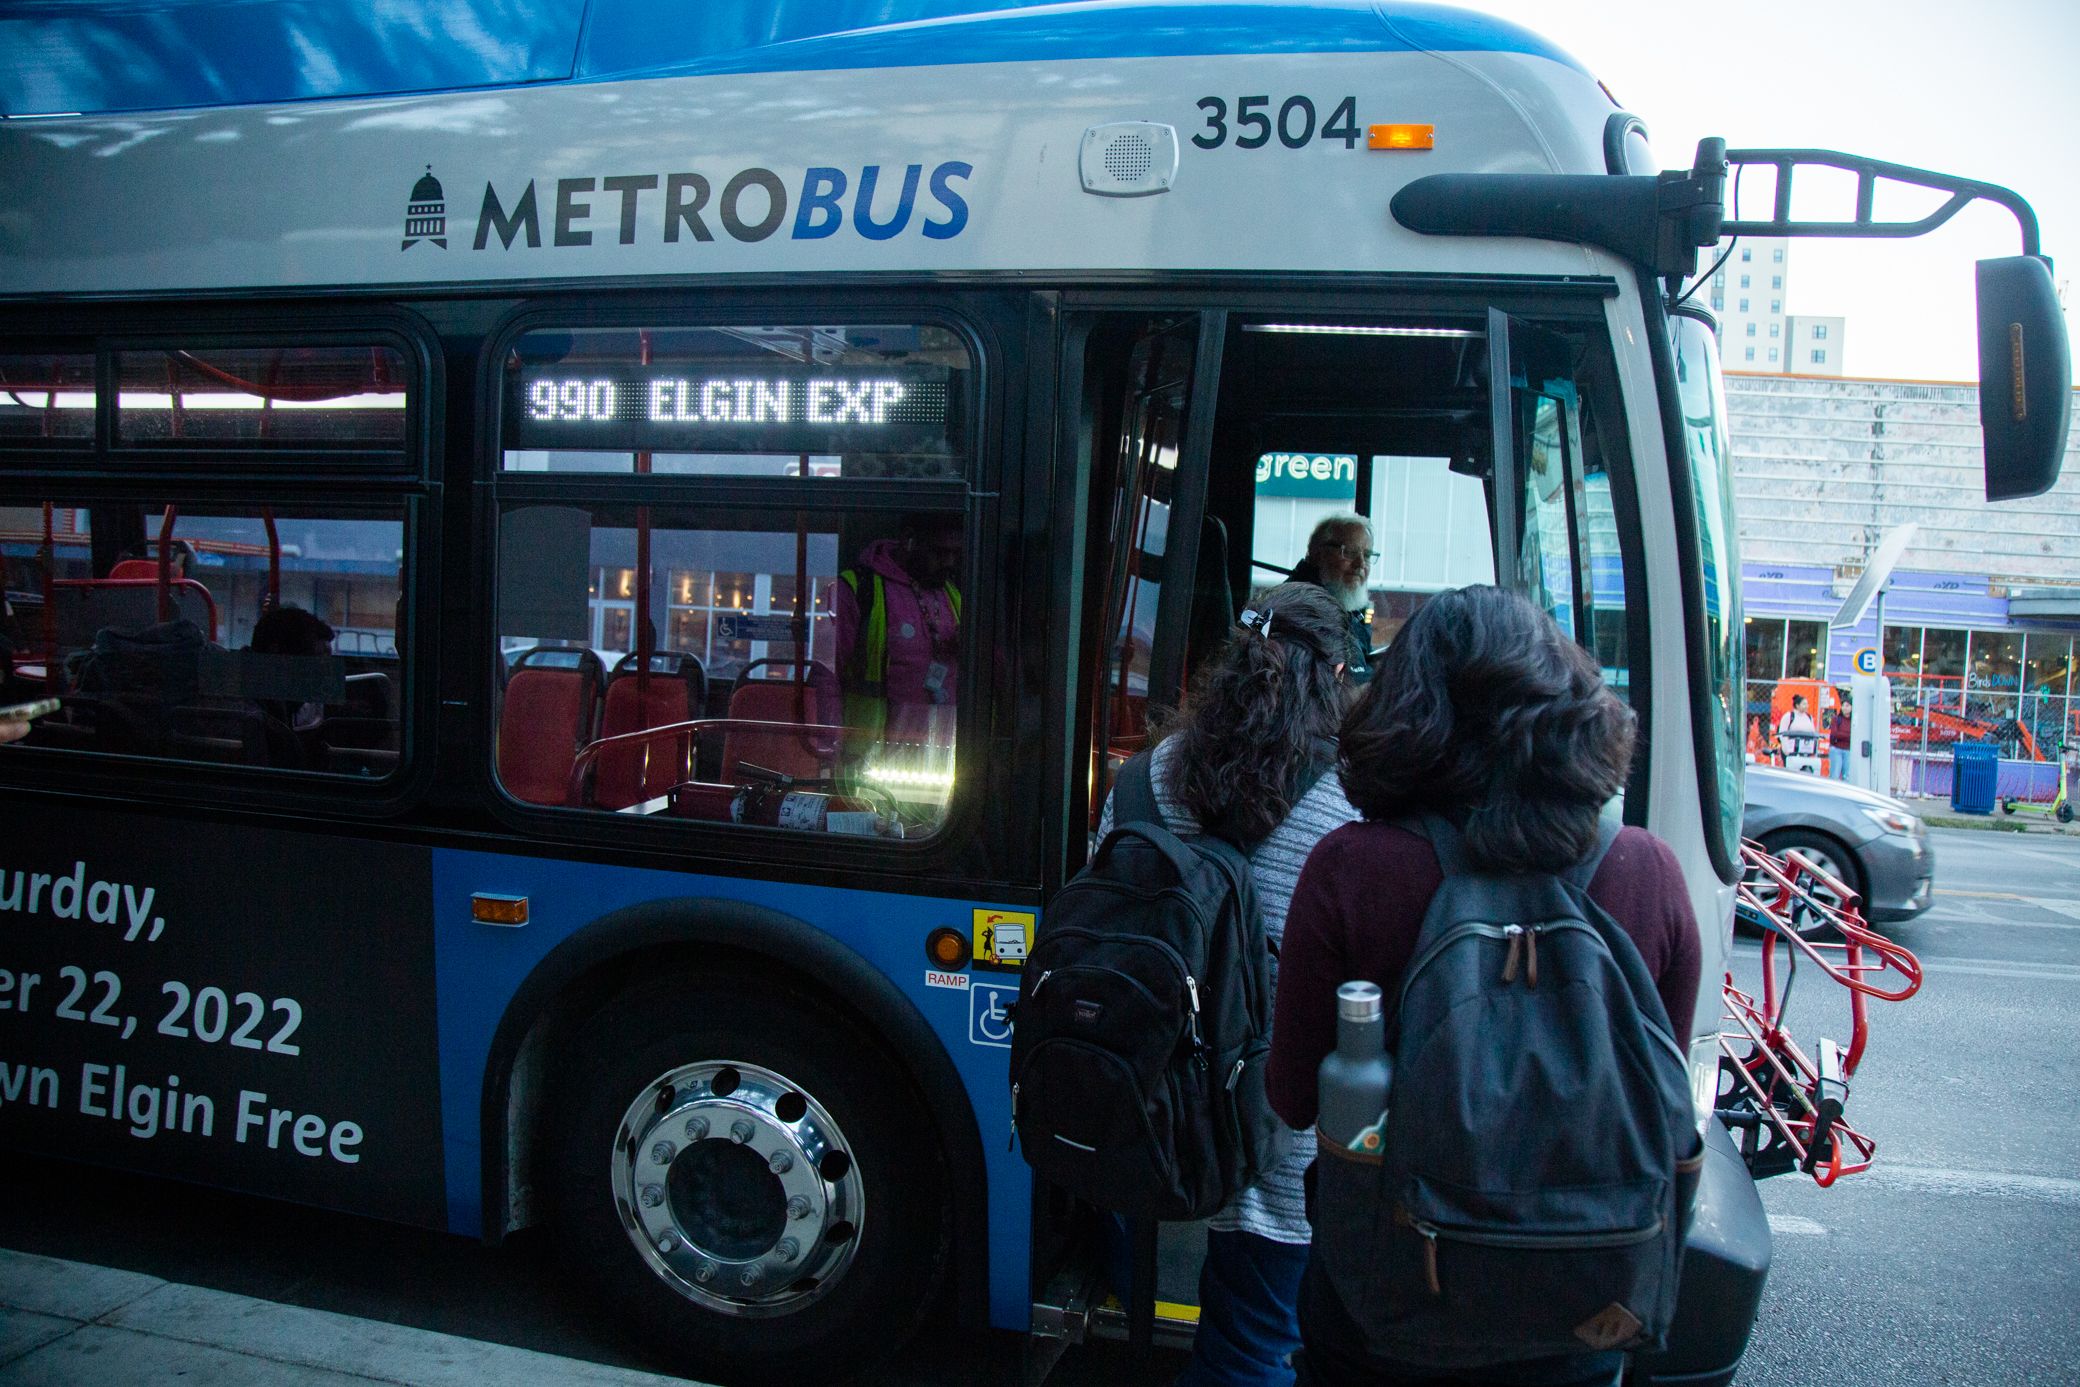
(95,56)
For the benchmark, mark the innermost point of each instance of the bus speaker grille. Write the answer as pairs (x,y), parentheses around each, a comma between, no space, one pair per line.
(1129,159)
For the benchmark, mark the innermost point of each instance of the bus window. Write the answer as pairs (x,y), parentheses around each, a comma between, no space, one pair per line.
(336,398)
(707,656)
(46,398)
(266,637)
(1711,483)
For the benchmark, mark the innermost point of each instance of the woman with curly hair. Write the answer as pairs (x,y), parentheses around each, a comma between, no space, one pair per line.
(1248,758)
(1485,713)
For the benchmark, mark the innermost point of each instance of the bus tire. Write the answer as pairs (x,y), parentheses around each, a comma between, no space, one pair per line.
(744,1173)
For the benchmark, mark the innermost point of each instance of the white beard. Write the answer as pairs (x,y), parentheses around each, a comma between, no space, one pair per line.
(1352,598)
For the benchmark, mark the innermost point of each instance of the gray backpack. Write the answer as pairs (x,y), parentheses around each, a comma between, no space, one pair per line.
(1540,1146)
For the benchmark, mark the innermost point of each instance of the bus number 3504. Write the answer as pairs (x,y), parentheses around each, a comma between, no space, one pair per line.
(1295,124)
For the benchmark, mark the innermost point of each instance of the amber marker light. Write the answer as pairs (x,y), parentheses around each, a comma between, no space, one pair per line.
(489,909)
(1401,137)
(947,949)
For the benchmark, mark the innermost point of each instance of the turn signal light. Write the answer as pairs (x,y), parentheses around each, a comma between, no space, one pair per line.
(489,909)
(1401,137)
(948,949)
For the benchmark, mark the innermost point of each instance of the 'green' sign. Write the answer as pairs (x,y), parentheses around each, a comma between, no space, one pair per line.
(1323,476)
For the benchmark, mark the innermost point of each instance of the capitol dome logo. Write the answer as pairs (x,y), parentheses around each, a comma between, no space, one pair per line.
(426,215)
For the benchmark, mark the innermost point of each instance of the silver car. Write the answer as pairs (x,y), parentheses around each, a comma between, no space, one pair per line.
(1871,843)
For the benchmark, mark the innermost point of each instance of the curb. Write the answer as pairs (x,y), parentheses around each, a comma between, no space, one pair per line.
(1996,822)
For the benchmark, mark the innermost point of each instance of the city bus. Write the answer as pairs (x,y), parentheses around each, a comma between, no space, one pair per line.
(483,487)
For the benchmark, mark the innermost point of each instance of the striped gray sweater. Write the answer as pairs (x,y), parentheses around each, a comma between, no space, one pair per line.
(1274,1207)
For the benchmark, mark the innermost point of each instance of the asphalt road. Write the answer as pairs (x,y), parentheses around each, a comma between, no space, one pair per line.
(1955,1261)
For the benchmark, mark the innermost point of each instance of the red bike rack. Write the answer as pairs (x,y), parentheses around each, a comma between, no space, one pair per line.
(1784,1106)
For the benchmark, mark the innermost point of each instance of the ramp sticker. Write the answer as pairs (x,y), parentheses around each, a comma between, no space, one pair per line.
(1001,937)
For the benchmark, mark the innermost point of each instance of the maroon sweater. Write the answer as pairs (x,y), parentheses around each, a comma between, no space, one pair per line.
(1359,907)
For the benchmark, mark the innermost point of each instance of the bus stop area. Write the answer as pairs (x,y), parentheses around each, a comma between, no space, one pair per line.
(65,1322)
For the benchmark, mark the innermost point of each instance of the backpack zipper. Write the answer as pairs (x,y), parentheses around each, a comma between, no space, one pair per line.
(1012,1144)
(1537,1242)
(1191,987)
(1515,935)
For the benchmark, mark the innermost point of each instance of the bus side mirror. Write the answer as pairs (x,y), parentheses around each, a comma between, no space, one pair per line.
(2025,377)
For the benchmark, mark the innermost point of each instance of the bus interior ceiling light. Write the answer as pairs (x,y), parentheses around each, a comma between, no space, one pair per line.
(900,775)
(1362,330)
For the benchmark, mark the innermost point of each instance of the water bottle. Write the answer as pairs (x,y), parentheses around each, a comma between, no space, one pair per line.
(1355,1077)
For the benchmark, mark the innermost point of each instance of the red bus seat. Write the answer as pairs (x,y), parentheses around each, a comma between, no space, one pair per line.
(674,692)
(794,699)
(548,714)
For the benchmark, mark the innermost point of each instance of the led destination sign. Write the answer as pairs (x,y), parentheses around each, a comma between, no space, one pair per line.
(801,409)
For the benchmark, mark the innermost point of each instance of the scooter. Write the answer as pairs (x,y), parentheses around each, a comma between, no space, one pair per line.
(2060,807)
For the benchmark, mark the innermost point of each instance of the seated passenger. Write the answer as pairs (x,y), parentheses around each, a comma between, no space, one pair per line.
(898,631)
(292,728)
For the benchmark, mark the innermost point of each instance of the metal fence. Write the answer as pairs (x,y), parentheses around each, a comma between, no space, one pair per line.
(1932,715)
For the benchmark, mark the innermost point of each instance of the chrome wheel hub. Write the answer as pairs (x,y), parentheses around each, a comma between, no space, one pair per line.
(738,1189)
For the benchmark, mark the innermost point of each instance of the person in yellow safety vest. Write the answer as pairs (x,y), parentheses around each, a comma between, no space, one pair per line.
(899,641)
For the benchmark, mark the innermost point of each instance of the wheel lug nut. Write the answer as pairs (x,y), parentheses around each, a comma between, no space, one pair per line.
(704,1273)
(788,1249)
(780,1162)
(663,1152)
(667,1243)
(797,1206)
(741,1130)
(749,1278)
(696,1129)
(653,1195)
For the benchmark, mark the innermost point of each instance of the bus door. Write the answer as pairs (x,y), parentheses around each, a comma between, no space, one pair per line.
(1557,540)
(1209,446)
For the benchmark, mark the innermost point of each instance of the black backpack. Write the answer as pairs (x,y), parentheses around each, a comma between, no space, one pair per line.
(1541,1146)
(1144,1021)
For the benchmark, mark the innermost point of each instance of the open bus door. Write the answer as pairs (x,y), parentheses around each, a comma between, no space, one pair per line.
(1138,394)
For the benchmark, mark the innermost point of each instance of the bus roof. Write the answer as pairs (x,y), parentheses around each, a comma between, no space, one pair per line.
(102,56)
(1096,157)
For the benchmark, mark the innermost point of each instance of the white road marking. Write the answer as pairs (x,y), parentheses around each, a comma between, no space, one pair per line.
(1793,1226)
(1921,1179)
(2069,909)
(2000,968)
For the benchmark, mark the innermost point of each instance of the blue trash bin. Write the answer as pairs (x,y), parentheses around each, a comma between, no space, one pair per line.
(1975,774)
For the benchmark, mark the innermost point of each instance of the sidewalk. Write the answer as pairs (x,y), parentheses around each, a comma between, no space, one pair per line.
(1937,813)
(68,1324)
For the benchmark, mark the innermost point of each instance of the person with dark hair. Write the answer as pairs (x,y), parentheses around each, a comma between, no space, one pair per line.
(292,729)
(1484,713)
(1248,758)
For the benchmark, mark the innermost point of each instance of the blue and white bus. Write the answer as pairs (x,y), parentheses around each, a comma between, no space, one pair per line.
(442,457)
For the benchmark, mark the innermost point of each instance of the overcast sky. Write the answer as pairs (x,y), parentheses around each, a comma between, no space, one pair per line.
(1988,90)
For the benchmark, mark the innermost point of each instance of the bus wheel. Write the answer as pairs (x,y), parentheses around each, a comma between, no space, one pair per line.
(747,1176)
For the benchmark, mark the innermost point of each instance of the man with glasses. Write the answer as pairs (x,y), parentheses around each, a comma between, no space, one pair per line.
(1339,560)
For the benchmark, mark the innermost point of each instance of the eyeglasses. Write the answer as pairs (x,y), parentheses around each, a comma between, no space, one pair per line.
(1352,552)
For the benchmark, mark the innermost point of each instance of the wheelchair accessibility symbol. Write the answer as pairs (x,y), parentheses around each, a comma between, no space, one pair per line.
(989,1015)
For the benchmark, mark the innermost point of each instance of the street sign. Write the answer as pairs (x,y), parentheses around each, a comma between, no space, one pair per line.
(1880,567)
(1866,660)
